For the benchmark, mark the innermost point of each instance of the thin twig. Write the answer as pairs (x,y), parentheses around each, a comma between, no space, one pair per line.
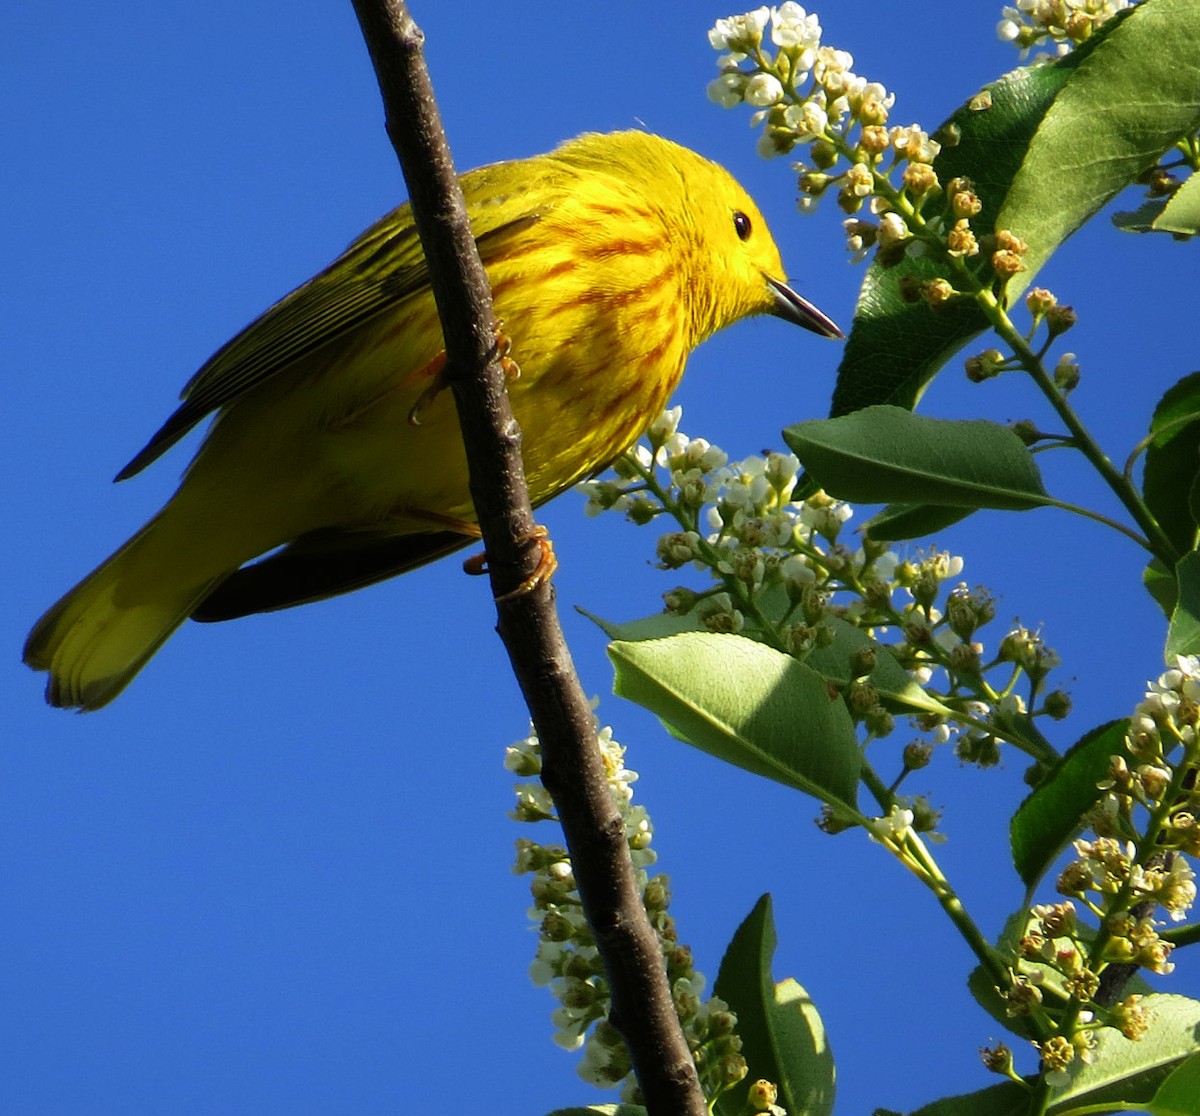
(642,1010)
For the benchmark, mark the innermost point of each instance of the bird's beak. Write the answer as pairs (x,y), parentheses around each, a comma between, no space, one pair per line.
(787,304)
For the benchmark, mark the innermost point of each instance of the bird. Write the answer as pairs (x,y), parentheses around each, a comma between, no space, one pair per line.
(335,458)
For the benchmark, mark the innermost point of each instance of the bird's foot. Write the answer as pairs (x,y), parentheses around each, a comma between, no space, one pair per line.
(544,571)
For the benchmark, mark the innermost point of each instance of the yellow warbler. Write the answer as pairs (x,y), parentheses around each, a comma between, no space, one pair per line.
(610,259)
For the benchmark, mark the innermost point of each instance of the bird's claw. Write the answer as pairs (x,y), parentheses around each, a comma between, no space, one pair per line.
(435,372)
(544,571)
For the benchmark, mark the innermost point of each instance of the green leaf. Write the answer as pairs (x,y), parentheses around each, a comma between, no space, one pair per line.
(1179,1095)
(1005,1099)
(783,1038)
(1160,584)
(895,346)
(887,454)
(1183,634)
(1124,1074)
(1178,214)
(896,687)
(1049,816)
(1173,461)
(1128,99)
(1045,148)
(1131,1073)
(1140,220)
(898,522)
(1181,216)
(658,625)
(748,705)
(772,602)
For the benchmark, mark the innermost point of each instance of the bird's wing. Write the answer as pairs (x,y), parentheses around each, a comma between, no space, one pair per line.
(323,564)
(380,268)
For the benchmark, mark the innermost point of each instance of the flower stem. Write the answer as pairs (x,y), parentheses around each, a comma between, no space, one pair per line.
(1121,486)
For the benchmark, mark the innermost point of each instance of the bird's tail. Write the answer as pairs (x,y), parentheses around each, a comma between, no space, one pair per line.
(94,640)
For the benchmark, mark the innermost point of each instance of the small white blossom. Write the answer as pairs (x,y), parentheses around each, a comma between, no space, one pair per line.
(797,572)
(1009,27)
(892,829)
(914,144)
(665,425)
(739,34)
(859,180)
(892,230)
(727,89)
(792,28)
(533,803)
(763,90)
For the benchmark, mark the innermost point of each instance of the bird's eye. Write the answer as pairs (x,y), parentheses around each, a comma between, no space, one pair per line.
(741,224)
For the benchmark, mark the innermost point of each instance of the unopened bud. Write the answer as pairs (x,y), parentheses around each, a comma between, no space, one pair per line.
(813,183)
(861,696)
(965,203)
(1027,431)
(879,722)
(1066,373)
(960,240)
(823,154)
(1008,241)
(862,662)
(985,365)
(1057,704)
(874,139)
(1059,319)
(680,600)
(937,292)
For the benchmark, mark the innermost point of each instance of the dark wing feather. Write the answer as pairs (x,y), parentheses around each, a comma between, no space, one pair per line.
(379,269)
(322,564)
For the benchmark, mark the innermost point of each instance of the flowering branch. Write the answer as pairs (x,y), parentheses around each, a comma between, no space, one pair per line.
(806,95)
(1060,980)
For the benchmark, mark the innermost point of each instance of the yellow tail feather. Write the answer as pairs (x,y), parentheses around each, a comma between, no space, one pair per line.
(96,639)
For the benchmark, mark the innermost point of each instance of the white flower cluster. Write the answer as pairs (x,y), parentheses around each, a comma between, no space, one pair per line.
(1064,23)
(792,29)
(567,961)
(1106,865)
(752,526)
(772,82)
(1167,714)
(781,574)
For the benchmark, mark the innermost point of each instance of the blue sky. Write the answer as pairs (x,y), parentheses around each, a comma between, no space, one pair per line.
(273,877)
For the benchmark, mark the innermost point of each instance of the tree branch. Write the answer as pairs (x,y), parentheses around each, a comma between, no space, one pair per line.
(528,623)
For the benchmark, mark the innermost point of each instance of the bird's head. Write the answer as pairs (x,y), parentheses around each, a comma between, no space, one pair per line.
(737,263)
